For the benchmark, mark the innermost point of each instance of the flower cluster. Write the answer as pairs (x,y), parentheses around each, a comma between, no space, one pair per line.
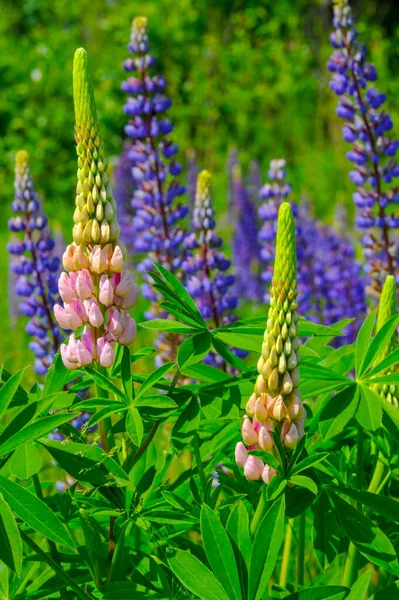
(207,269)
(330,282)
(367,127)
(34,266)
(97,292)
(159,236)
(246,249)
(276,405)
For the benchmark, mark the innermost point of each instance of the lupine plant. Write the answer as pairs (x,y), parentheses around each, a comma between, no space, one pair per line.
(368,128)
(35,266)
(244,477)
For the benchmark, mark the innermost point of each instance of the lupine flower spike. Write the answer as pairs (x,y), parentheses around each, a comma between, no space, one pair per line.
(35,267)
(276,403)
(373,151)
(97,292)
(387,309)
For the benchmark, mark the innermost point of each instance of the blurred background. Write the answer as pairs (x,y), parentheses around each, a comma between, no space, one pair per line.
(244,74)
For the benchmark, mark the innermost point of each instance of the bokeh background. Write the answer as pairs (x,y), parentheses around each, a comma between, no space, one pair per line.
(244,74)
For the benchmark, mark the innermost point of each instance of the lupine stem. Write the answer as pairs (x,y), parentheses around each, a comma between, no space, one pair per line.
(352,559)
(301,549)
(259,513)
(286,554)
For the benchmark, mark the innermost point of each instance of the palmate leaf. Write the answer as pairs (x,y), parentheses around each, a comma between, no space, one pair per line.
(25,462)
(386,507)
(338,411)
(325,592)
(34,512)
(308,462)
(390,418)
(369,410)
(265,550)
(305,482)
(383,366)
(11,545)
(196,577)
(237,528)
(366,537)
(228,355)
(308,328)
(126,373)
(359,589)
(325,531)
(153,378)
(104,382)
(219,552)
(194,349)
(378,343)
(244,341)
(363,340)
(169,326)
(9,389)
(388,592)
(134,426)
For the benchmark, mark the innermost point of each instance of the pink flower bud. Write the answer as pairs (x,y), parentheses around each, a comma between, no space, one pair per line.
(241,454)
(84,284)
(116,262)
(65,288)
(87,338)
(61,316)
(253,468)
(295,407)
(67,257)
(70,352)
(106,295)
(93,312)
(265,440)
(260,410)
(248,432)
(291,437)
(129,331)
(125,283)
(80,260)
(128,301)
(268,473)
(68,364)
(115,322)
(79,309)
(83,354)
(105,352)
(98,261)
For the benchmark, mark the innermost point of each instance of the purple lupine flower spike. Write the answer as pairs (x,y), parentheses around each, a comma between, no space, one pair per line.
(246,249)
(367,127)
(159,236)
(35,265)
(330,281)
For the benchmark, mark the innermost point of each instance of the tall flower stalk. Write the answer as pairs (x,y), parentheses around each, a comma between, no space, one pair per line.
(373,151)
(97,292)
(35,266)
(276,405)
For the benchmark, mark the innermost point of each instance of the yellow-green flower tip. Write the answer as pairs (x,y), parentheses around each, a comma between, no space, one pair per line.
(284,276)
(387,307)
(204,182)
(94,217)
(140,23)
(21,159)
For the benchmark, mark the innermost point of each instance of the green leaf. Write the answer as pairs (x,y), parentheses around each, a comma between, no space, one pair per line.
(390,418)
(126,373)
(180,291)
(359,589)
(265,550)
(238,529)
(366,537)
(305,482)
(379,343)
(308,462)
(169,326)
(384,365)
(309,329)
(156,401)
(205,373)
(325,532)
(363,341)
(369,410)
(194,349)
(386,507)
(134,426)
(25,462)
(245,341)
(339,410)
(153,378)
(196,577)
(34,512)
(9,389)
(186,425)
(228,355)
(34,431)
(219,552)
(11,545)
(388,592)
(268,458)
(106,411)
(104,382)
(325,592)
(57,376)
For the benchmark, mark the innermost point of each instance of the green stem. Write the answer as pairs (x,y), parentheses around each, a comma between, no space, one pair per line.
(286,554)
(56,568)
(105,425)
(301,549)
(198,461)
(383,483)
(259,512)
(352,558)
(378,476)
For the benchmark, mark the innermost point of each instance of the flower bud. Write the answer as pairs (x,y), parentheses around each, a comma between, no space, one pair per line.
(250,407)
(241,454)
(67,363)
(106,291)
(105,352)
(65,288)
(292,437)
(116,263)
(84,284)
(279,409)
(80,260)
(265,440)
(260,410)
(94,314)
(67,258)
(248,432)
(253,468)
(129,331)
(268,473)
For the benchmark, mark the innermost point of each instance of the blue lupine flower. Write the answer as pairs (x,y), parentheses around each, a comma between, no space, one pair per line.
(368,128)
(330,282)
(35,266)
